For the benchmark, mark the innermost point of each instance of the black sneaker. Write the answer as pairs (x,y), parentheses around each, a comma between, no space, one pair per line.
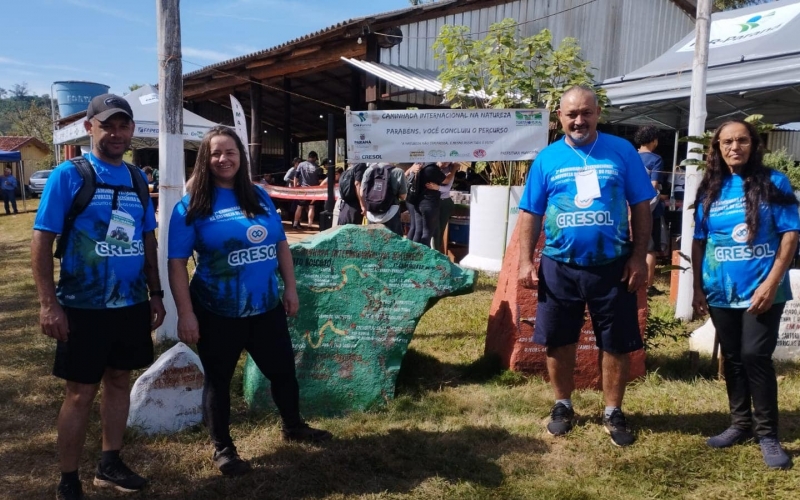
(773,454)
(561,420)
(617,427)
(117,475)
(229,463)
(729,437)
(70,491)
(305,434)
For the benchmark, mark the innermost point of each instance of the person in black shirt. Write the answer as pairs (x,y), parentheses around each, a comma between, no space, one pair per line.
(426,211)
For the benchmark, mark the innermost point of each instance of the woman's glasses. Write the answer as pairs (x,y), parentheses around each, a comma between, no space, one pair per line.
(743,142)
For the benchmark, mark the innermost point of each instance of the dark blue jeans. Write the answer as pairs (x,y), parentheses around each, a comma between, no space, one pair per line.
(9,196)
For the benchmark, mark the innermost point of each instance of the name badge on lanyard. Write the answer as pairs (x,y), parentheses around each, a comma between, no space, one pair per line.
(587,183)
(120,229)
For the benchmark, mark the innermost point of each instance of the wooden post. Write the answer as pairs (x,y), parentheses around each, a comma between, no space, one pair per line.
(255,130)
(288,150)
(371,82)
(697,124)
(170,144)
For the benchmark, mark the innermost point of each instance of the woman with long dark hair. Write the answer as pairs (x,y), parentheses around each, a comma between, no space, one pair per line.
(746,232)
(232,303)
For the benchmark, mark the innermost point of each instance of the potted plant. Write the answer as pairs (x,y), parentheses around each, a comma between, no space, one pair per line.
(504,71)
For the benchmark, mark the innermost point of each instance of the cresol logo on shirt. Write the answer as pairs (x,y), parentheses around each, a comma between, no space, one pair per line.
(739,233)
(583,203)
(252,255)
(256,234)
(728,254)
(103,249)
(580,219)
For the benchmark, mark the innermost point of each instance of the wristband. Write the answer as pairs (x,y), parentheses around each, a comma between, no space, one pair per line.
(157,293)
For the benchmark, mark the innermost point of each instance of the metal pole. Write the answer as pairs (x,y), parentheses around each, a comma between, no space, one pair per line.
(170,144)
(331,169)
(697,122)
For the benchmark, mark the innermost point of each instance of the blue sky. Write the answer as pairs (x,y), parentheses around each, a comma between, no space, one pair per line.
(114,42)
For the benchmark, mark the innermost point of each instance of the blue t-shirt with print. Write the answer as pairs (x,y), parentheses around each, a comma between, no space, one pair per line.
(237,257)
(586,232)
(94,273)
(732,269)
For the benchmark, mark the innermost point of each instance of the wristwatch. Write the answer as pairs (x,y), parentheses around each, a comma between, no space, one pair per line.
(157,293)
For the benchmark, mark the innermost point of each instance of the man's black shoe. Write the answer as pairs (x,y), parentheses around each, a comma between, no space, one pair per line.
(617,427)
(70,491)
(117,475)
(305,434)
(229,463)
(561,420)
(729,437)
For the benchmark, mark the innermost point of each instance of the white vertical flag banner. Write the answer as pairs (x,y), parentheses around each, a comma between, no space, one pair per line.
(240,124)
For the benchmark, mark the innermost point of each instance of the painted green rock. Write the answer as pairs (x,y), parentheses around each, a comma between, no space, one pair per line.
(362,292)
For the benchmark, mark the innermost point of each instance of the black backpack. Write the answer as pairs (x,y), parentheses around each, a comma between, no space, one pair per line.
(86,192)
(379,195)
(415,188)
(347,183)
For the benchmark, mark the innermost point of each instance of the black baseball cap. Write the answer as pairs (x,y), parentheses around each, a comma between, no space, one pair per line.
(104,106)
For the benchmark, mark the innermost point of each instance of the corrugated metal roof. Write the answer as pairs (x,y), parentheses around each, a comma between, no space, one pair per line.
(789,127)
(350,22)
(409,78)
(653,13)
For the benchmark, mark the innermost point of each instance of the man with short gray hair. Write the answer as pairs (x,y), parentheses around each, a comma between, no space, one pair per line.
(582,186)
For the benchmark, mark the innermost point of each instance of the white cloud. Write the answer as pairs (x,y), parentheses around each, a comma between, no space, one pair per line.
(208,55)
(118,13)
(244,49)
(60,67)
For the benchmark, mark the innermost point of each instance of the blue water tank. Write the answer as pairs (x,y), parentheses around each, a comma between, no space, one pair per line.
(74,97)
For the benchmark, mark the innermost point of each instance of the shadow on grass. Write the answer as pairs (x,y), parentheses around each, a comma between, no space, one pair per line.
(395,462)
(680,366)
(421,373)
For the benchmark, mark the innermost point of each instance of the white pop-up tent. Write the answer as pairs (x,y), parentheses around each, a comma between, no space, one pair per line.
(753,68)
(144,104)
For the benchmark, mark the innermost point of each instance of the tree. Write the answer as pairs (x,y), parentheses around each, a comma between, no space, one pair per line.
(19,90)
(504,70)
(737,4)
(33,119)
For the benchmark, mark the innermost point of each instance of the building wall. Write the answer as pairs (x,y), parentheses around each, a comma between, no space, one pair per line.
(34,159)
(784,139)
(616,36)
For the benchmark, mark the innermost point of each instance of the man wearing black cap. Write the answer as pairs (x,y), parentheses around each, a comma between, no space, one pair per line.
(99,312)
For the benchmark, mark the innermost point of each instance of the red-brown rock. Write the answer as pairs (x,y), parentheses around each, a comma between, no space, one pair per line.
(510,331)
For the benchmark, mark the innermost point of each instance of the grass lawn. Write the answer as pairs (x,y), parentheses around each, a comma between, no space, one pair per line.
(456,429)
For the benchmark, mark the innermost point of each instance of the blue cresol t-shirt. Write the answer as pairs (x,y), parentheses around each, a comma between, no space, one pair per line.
(586,232)
(94,273)
(237,257)
(732,269)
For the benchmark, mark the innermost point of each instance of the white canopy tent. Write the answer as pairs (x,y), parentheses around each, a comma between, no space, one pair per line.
(753,68)
(144,103)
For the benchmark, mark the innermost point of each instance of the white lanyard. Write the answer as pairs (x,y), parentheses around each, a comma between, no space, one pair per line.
(585,160)
(586,180)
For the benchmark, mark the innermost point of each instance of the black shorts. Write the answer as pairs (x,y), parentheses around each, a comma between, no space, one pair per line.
(116,338)
(564,292)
